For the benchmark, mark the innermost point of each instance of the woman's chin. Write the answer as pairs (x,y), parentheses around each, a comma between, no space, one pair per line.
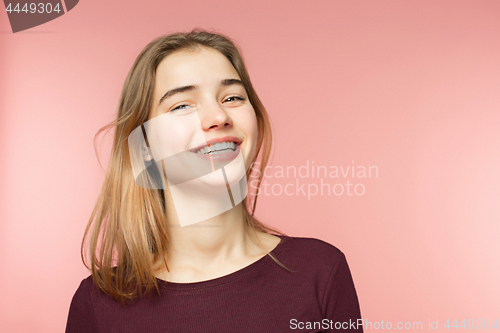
(221,179)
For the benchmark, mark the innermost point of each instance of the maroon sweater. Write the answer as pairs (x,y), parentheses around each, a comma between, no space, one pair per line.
(319,296)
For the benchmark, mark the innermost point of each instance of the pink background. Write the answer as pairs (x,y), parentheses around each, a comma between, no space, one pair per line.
(411,87)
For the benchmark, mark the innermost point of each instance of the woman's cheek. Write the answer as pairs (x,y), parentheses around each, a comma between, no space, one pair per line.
(172,137)
(247,123)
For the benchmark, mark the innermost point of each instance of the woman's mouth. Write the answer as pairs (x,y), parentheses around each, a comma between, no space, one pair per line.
(219,152)
(218,148)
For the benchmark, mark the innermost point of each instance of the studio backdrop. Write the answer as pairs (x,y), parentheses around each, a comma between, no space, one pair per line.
(386,143)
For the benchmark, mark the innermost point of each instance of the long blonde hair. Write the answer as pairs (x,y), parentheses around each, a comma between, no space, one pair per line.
(126,233)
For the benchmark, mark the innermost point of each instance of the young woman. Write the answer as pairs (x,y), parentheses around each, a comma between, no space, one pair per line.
(173,242)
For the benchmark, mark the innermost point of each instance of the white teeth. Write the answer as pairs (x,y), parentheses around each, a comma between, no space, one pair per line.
(224,151)
(218,148)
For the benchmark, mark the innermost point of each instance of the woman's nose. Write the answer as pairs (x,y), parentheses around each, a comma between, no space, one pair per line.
(214,116)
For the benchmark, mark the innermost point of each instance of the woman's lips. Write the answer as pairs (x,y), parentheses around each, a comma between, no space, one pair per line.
(220,157)
(213,141)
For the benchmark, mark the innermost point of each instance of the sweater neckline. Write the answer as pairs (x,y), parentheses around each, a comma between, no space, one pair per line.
(260,263)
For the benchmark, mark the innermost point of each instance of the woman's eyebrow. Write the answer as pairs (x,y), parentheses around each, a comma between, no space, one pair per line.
(174,91)
(228,82)
(170,93)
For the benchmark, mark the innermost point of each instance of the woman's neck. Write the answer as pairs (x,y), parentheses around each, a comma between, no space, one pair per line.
(214,247)
(209,240)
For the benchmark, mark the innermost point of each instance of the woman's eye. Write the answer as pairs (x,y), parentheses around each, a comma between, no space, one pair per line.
(229,99)
(233,98)
(179,107)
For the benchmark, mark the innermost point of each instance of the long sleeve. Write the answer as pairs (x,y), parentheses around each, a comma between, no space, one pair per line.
(81,317)
(340,301)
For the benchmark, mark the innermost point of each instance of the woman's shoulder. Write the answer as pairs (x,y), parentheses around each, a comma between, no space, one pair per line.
(86,290)
(308,251)
(81,313)
(311,245)
(86,285)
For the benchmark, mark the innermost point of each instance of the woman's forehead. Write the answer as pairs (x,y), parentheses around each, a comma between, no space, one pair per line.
(204,65)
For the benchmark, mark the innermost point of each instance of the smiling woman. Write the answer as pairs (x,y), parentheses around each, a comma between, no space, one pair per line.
(186,253)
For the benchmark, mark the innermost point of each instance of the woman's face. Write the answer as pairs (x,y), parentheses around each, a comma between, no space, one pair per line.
(202,100)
